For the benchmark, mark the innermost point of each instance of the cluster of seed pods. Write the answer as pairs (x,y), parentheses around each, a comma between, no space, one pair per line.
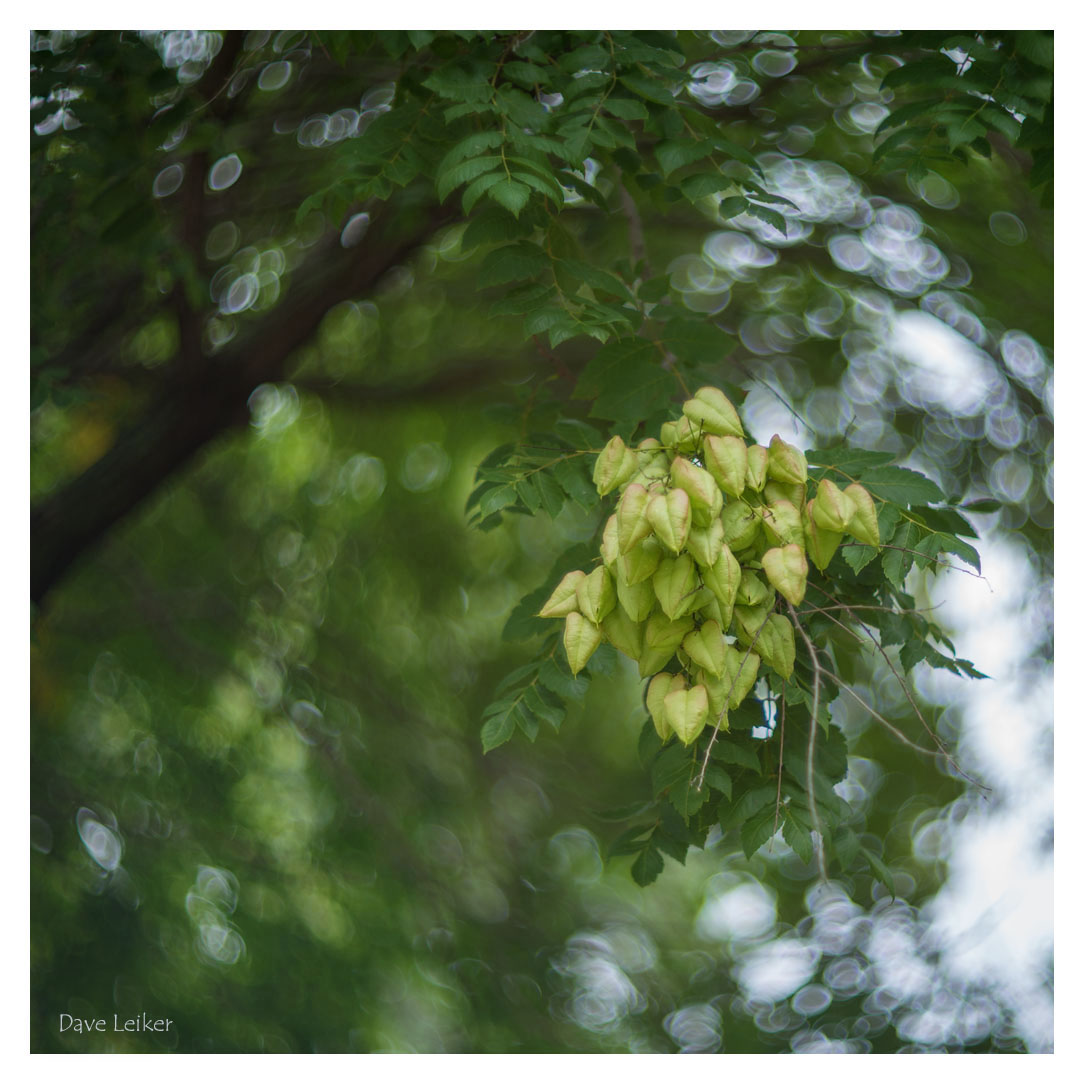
(708,532)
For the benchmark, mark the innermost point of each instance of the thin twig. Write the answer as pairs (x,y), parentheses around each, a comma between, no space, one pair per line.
(779,775)
(919,553)
(811,747)
(733,682)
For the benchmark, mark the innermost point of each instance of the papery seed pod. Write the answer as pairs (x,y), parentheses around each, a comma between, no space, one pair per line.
(706,647)
(718,700)
(657,689)
(609,551)
(595,595)
(784,491)
(615,465)
(710,610)
(820,544)
(756,471)
(752,590)
(623,632)
(706,543)
(727,461)
(723,579)
(563,600)
(863,524)
(775,645)
(782,523)
(748,620)
(640,562)
(704,517)
(632,522)
(740,525)
(832,508)
(687,712)
(740,673)
(662,637)
(785,462)
(675,585)
(712,411)
(581,638)
(637,600)
(787,569)
(670,517)
(688,435)
(697,482)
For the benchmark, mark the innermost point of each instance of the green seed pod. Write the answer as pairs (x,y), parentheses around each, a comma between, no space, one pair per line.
(687,712)
(781,491)
(740,525)
(595,595)
(610,553)
(785,462)
(832,508)
(623,632)
(740,674)
(669,515)
(657,689)
(727,461)
(637,600)
(652,462)
(756,473)
(662,637)
(581,639)
(675,585)
(718,704)
(863,524)
(640,562)
(787,569)
(820,544)
(706,543)
(711,411)
(697,482)
(632,523)
(775,645)
(706,647)
(615,465)
(782,523)
(723,579)
(749,619)
(752,590)
(563,600)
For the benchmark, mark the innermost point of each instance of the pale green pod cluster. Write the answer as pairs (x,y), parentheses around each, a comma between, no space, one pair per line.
(710,538)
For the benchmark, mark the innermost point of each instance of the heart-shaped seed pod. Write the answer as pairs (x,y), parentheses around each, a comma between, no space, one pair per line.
(782,523)
(785,462)
(832,508)
(752,590)
(662,637)
(756,472)
(640,562)
(652,462)
(624,633)
(782,491)
(637,600)
(704,517)
(669,515)
(687,712)
(740,525)
(563,600)
(863,524)
(739,674)
(675,585)
(615,465)
(727,461)
(709,611)
(706,543)
(632,523)
(697,483)
(595,595)
(581,639)
(711,411)
(718,704)
(657,688)
(787,570)
(610,553)
(820,544)
(749,619)
(723,580)
(775,645)
(706,647)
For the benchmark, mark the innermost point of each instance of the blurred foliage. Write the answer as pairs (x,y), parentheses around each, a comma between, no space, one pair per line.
(266,635)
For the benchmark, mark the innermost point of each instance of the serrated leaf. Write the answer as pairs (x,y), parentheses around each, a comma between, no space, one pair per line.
(512,263)
(901,486)
(756,831)
(647,867)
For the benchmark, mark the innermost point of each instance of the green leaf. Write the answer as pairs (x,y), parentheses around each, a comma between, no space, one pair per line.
(798,838)
(647,867)
(512,263)
(732,752)
(498,729)
(627,381)
(673,154)
(756,831)
(512,195)
(901,486)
